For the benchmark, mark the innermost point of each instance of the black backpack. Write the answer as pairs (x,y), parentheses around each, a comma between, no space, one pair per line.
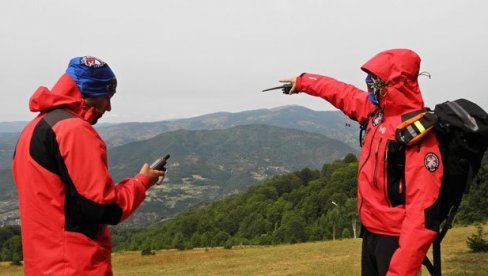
(461,127)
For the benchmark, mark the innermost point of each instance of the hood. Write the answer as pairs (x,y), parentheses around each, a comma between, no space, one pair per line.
(64,94)
(399,68)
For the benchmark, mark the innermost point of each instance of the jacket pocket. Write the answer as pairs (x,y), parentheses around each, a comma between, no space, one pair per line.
(395,162)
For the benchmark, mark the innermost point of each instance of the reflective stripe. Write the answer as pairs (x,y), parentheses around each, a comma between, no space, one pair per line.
(419,126)
(412,132)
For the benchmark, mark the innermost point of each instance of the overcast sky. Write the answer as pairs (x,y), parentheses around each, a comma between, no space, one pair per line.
(182,58)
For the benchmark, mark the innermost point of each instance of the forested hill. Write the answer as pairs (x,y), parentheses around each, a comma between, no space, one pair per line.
(306,205)
(207,164)
(293,207)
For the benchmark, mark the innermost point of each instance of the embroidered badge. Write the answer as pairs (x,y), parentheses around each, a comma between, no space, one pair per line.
(431,162)
(378,118)
(92,62)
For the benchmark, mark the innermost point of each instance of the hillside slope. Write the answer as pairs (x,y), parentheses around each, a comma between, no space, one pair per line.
(207,164)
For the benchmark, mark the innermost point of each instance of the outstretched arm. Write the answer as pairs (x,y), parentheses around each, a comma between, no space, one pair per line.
(348,98)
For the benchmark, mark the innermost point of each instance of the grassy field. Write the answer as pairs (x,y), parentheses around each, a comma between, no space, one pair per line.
(318,258)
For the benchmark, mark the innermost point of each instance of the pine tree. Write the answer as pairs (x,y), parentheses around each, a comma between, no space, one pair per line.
(476,242)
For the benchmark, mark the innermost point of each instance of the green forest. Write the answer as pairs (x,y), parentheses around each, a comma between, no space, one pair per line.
(306,205)
(301,206)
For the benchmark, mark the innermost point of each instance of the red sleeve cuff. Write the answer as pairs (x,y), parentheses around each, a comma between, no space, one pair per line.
(298,83)
(143,179)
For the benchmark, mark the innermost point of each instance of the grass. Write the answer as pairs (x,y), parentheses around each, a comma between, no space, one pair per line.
(316,258)
(299,259)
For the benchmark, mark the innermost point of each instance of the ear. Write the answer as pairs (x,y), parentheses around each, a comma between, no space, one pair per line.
(88,101)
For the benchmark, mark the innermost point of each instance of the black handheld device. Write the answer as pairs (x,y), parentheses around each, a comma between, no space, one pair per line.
(285,88)
(159,163)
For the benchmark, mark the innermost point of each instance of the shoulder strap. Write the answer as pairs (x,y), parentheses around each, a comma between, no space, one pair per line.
(411,130)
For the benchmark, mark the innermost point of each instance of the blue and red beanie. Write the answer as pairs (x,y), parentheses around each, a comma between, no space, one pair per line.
(93,76)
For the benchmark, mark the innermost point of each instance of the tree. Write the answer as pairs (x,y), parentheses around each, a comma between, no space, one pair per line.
(269,192)
(350,158)
(314,231)
(311,207)
(275,210)
(253,225)
(179,241)
(196,240)
(188,224)
(6,232)
(476,242)
(206,240)
(473,207)
(306,175)
(332,218)
(229,220)
(220,238)
(228,244)
(264,239)
(350,208)
(12,250)
(293,225)
(285,183)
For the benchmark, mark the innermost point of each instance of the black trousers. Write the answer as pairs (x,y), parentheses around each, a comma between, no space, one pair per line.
(376,254)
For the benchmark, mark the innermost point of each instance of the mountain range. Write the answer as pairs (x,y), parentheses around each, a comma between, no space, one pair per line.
(211,156)
(333,124)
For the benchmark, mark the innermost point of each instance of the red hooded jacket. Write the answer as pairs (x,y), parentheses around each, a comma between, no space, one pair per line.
(392,200)
(66,194)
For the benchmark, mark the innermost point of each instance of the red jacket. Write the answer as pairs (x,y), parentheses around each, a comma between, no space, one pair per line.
(389,202)
(66,194)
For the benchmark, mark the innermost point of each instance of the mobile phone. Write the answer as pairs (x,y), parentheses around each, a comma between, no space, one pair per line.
(159,163)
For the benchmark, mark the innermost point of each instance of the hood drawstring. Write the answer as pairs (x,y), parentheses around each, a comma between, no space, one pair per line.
(425,73)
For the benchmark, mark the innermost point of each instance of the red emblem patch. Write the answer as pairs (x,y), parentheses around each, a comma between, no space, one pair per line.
(431,162)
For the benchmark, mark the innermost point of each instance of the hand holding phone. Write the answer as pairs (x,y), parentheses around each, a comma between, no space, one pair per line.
(159,163)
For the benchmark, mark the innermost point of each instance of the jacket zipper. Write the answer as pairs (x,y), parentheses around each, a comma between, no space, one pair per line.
(375,173)
(362,166)
(369,152)
(385,166)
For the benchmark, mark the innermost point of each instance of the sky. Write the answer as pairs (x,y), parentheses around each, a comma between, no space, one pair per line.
(183,58)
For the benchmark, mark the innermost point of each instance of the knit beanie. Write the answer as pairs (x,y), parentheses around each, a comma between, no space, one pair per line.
(92,76)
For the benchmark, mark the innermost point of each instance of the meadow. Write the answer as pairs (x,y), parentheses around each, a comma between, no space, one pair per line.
(340,257)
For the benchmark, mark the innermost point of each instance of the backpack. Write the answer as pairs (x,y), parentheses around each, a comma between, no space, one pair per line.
(461,128)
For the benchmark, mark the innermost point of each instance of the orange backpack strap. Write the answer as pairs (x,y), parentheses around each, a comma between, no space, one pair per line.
(417,124)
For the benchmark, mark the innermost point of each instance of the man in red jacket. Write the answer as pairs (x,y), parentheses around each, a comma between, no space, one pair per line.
(396,186)
(66,194)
